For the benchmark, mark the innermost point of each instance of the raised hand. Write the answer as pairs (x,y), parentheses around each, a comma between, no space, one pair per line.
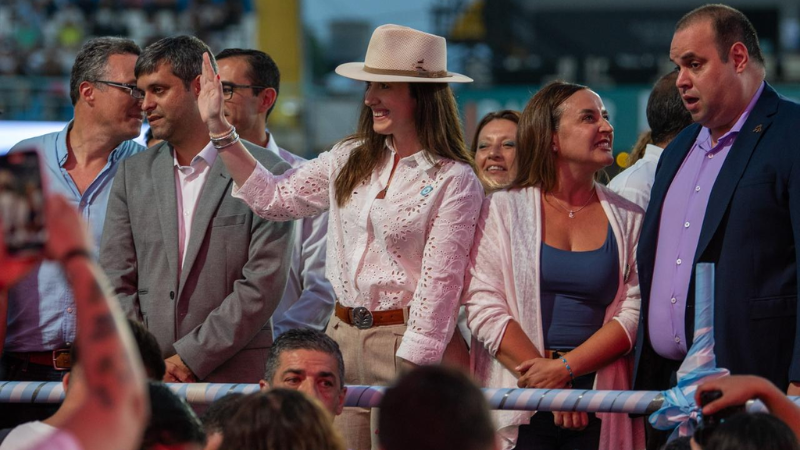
(210,101)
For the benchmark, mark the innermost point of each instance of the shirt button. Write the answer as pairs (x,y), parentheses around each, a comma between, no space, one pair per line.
(678,262)
(686,225)
(186,213)
(673,300)
(710,155)
(697,188)
(69,310)
(677,339)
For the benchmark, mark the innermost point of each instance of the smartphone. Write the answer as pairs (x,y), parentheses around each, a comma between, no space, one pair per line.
(22,196)
(711,421)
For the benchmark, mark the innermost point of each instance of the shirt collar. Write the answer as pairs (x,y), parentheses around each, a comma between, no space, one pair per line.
(272,145)
(62,150)
(653,151)
(422,159)
(208,154)
(704,138)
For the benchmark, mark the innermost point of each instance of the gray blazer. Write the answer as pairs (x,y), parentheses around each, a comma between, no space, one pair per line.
(216,315)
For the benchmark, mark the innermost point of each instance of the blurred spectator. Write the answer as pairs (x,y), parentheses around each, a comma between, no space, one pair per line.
(217,416)
(173,425)
(433,408)
(738,389)
(745,431)
(281,419)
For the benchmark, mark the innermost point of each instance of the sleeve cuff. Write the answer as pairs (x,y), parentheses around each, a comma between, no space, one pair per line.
(420,350)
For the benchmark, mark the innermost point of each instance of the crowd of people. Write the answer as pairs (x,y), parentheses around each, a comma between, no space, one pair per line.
(239,262)
(42,37)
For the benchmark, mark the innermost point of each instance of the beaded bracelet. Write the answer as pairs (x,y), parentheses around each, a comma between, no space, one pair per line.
(569,369)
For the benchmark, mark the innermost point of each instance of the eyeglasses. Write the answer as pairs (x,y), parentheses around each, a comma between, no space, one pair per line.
(133,91)
(228,88)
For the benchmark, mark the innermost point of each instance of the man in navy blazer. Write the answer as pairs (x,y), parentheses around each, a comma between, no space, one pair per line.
(727,191)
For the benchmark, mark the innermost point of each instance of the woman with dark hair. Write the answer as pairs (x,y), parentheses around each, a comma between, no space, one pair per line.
(280,419)
(495,150)
(403,201)
(552,294)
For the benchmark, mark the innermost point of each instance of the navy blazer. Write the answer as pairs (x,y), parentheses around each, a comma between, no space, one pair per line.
(750,231)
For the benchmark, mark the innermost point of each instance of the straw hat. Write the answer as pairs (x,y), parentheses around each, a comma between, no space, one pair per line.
(402,54)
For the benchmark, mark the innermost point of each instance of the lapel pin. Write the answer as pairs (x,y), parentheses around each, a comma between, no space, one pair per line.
(426,190)
(757,129)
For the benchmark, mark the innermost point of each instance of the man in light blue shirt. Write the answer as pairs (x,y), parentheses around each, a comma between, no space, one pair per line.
(79,162)
(250,80)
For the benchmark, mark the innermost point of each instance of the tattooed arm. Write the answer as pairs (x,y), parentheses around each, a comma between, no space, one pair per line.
(115,410)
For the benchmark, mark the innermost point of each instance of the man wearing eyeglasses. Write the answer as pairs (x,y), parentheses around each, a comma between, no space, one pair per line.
(80,162)
(250,85)
(195,264)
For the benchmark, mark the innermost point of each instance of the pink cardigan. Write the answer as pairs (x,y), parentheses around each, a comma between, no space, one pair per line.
(503,284)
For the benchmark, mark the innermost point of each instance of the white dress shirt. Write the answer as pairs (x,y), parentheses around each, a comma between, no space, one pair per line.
(309,297)
(635,182)
(409,249)
(189,181)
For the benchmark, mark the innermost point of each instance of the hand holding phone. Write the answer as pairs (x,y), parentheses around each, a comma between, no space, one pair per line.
(22,204)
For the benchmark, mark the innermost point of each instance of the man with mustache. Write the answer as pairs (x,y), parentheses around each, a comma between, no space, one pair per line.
(193,263)
(727,191)
(80,163)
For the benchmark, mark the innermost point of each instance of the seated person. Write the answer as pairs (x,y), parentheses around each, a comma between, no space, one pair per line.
(310,361)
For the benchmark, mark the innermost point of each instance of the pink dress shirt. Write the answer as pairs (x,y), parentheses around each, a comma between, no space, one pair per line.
(189,181)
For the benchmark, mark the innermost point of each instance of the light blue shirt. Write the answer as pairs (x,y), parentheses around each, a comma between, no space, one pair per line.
(41,307)
(309,298)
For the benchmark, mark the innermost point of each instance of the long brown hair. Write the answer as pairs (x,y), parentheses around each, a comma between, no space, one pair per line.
(438,130)
(536,161)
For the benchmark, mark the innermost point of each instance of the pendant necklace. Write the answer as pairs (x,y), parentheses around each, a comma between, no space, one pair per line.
(572,212)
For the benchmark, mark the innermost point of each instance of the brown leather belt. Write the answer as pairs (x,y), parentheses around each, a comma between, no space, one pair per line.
(362,318)
(58,359)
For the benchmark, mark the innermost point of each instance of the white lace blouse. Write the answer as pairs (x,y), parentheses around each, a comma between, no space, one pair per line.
(409,249)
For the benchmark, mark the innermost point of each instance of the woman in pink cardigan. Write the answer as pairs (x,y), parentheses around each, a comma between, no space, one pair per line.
(552,294)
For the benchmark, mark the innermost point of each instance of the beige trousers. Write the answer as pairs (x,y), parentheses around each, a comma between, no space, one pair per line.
(369,359)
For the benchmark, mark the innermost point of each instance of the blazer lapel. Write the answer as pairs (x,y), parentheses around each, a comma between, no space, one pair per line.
(213,192)
(736,162)
(163,175)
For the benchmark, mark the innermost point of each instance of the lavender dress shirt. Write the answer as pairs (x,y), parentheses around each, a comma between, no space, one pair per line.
(678,234)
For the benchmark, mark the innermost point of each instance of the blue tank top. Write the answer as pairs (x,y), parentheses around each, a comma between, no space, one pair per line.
(576,288)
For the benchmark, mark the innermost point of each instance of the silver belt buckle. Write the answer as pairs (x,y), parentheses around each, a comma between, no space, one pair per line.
(362,318)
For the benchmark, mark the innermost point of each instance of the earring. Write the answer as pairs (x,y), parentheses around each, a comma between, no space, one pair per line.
(555,149)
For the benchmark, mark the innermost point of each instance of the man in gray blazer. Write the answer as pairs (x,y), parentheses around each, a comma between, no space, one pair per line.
(193,263)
